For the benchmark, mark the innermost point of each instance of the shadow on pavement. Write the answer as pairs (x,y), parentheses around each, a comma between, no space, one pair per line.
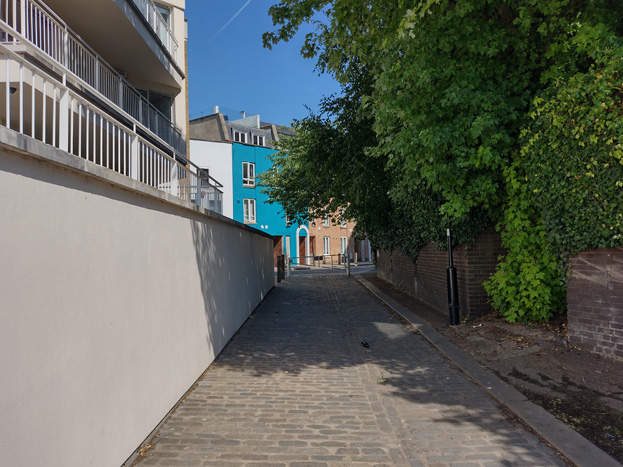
(316,322)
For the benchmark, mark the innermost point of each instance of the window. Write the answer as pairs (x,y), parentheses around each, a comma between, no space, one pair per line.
(162,102)
(327,246)
(165,12)
(249,211)
(259,140)
(343,244)
(239,137)
(343,221)
(326,222)
(248,174)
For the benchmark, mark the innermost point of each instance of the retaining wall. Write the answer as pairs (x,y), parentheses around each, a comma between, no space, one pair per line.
(114,298)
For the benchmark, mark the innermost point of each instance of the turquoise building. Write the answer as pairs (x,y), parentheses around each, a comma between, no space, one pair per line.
(251,206)
(235,151)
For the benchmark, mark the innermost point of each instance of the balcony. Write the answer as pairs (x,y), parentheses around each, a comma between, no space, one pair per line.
(33,24)
(158,25)
(45,104)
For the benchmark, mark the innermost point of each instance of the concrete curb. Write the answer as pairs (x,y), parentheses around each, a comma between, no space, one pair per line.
(572,445)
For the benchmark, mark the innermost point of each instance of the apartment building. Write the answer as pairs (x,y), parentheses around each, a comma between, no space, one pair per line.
(104,81)
(330,237)
(120,280)
(235,151)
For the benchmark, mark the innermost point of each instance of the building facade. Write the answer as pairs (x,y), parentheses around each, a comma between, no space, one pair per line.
(330,238)
(104,81)
(108,294)
(235,152)
(251,206)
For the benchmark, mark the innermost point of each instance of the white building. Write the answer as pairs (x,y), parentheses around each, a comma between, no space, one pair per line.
(119,279)
(103,80)
(217,158)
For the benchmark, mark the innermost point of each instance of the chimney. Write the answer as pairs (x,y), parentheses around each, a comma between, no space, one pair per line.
(244,114)
(216,109)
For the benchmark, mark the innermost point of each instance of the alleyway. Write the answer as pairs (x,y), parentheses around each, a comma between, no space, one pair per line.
(295,387)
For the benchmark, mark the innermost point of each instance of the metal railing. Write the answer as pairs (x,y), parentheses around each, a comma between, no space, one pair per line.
(322,261)
(33,22)
(43,107)
(150,12)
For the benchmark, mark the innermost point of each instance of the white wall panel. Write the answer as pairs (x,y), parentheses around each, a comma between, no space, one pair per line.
(112,304)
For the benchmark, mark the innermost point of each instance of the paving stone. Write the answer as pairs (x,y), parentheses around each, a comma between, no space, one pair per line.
(295,388)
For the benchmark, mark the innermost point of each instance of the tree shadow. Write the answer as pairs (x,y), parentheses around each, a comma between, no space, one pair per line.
(235,271)
(315,323)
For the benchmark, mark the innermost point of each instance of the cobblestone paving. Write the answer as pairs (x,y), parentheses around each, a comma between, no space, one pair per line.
(296,388)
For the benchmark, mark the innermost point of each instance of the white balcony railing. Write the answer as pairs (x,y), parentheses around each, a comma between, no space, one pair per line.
(35,23)
(150,12)
(41,106)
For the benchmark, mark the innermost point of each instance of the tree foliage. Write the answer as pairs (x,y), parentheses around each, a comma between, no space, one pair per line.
(565,187)
(465,114)
(572,156)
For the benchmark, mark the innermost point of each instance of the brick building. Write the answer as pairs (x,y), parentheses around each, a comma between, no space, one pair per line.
(330,237)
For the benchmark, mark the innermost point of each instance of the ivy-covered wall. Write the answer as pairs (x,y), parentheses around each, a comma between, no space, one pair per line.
(465,114)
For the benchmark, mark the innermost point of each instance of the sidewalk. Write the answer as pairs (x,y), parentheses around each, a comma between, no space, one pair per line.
(295,387)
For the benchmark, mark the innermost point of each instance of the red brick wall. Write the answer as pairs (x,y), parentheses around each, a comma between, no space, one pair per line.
(595,301)
(397,269)
(431,276)
(383,266)
(278,248)
(427,279)
(483,255)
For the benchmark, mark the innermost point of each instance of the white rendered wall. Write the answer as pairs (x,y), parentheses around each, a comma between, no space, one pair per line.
(217,157)
(112,304)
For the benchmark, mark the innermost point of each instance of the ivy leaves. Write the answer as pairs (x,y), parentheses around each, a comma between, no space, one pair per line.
(565,192)
(572,156)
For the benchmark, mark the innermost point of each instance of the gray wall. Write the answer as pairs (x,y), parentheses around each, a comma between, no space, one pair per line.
(210,128)
(113,301)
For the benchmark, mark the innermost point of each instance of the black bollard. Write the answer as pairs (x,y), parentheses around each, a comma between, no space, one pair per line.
(453,290)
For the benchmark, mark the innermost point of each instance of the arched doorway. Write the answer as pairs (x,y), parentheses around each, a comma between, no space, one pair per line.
(302,242)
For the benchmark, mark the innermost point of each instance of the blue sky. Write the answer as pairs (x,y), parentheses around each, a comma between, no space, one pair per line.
(228,67)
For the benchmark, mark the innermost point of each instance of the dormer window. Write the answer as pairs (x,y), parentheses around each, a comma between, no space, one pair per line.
(259,140)
(239,137)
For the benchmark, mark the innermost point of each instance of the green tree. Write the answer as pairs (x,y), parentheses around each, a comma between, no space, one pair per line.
(326,169)
(462,104)
(565,187)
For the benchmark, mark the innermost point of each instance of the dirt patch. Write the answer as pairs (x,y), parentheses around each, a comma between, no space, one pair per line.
(582,389)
